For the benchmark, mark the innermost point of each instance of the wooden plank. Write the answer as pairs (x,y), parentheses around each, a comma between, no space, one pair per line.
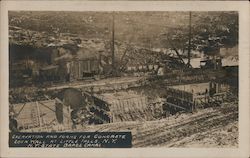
(171,104)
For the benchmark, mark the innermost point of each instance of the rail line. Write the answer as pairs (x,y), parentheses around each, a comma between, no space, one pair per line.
(175,133)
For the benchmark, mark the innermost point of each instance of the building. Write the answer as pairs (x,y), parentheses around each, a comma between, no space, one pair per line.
(83,68)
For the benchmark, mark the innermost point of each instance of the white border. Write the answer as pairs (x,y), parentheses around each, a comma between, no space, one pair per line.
(244,139)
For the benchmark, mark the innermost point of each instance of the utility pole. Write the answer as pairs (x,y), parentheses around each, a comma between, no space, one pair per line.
(189,40)
(113,44)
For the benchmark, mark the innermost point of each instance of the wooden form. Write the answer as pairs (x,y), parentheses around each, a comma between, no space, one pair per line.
(40,116)
(179,99)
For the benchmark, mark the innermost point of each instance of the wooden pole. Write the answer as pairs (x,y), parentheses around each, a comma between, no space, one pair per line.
(38,113)
(189,40)
(113,44)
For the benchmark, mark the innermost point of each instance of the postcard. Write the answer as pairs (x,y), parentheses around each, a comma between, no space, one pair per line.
(124,79)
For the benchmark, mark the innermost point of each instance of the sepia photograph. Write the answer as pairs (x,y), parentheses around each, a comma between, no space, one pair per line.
(170,78)
(124,79)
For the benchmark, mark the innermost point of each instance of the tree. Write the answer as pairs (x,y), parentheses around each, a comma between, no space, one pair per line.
(209,32)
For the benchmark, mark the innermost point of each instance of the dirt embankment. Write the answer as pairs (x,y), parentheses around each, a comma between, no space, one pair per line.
(211,127)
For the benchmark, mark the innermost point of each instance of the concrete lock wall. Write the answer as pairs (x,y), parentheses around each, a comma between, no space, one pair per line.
(128,109)
(201,93)
(193,88)
(130,104)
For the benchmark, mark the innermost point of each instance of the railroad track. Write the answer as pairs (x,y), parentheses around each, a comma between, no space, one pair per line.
(148,129)
(168,124)
(168,132)
(175,133)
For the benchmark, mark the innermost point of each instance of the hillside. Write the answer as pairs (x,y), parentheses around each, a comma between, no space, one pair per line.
(135,33)
(140,28)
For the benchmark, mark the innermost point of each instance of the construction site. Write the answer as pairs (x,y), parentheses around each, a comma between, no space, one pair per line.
(64,82)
